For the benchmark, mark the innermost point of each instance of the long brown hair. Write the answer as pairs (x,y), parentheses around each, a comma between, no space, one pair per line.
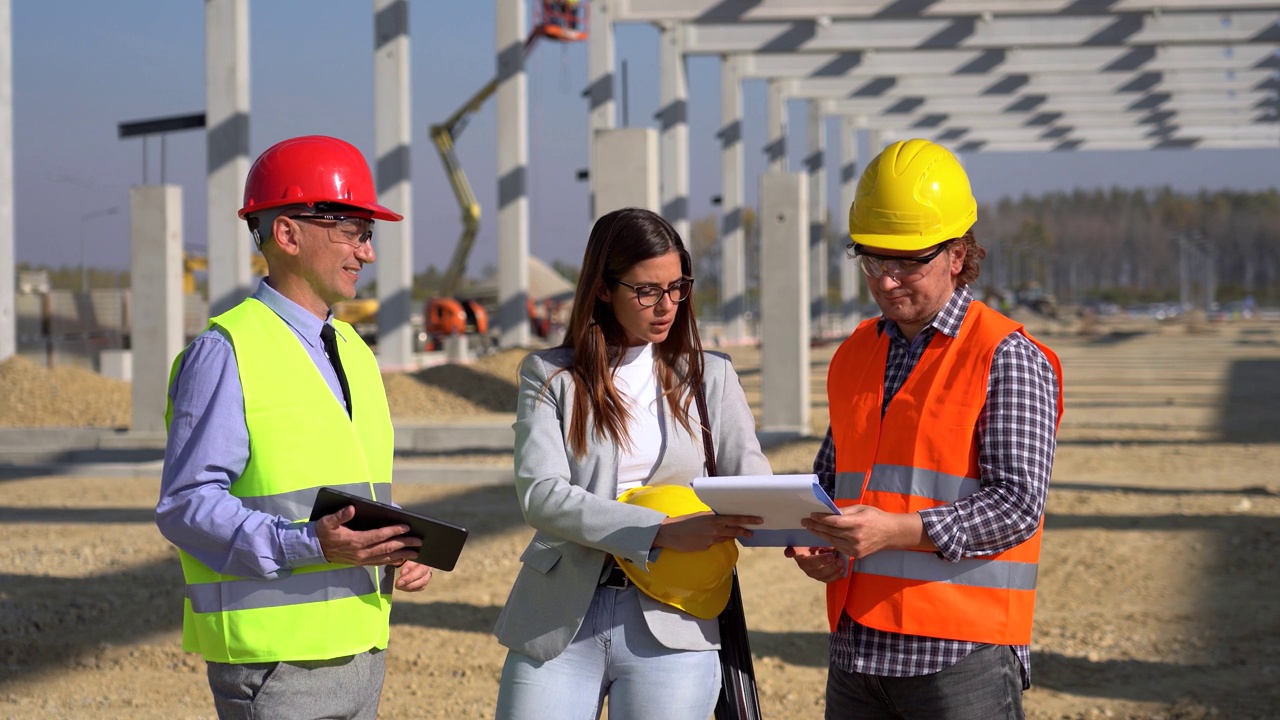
(619,241)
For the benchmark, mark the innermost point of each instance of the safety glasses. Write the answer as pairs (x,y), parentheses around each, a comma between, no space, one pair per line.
(354,231)
(899,268)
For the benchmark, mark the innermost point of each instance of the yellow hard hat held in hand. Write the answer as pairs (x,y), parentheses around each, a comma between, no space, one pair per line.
(912,196)
(695,582)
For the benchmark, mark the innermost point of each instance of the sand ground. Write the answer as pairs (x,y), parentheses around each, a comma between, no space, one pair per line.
(1159,592)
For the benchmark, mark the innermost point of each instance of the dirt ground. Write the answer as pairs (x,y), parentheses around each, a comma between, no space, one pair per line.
(1159,591)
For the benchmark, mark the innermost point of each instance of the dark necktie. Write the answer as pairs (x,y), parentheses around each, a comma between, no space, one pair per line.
(330,342)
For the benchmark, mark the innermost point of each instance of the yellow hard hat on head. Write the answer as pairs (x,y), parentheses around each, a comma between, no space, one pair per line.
(913,195)
(696,582)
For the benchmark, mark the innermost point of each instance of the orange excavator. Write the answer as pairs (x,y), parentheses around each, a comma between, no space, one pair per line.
(558,20)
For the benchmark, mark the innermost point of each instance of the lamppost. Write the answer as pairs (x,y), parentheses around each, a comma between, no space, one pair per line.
(84,186)
(84,217)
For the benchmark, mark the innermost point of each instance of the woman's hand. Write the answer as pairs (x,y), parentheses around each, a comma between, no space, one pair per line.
(823,564)
(699,531)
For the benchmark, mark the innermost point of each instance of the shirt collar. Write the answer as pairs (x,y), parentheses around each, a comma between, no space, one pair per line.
(947,321)
(294,315)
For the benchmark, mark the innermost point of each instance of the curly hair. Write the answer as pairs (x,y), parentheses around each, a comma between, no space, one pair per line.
(973,255)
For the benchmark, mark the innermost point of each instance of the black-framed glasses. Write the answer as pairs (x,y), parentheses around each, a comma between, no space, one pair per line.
(354,231)
(650,295)
(901,269)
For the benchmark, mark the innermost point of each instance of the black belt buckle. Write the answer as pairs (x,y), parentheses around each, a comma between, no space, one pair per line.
(616,579)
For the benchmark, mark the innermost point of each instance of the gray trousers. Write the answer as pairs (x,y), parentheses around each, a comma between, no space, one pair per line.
(345,688)
(985,685)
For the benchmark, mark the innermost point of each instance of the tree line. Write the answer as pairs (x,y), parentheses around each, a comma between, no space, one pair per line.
(1126,245)
(1120,245)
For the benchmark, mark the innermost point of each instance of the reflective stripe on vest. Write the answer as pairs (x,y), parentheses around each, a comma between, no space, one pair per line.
(849,485)
(905,480)
(295,589)
(300,439)
(978,572)
(921,454)
(297,503)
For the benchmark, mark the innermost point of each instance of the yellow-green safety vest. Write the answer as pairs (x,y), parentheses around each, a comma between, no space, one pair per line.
(300,439)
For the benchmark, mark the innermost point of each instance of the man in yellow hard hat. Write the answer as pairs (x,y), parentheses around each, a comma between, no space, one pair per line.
(944,417)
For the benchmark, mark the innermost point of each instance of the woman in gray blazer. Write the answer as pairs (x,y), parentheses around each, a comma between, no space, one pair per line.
(610,409)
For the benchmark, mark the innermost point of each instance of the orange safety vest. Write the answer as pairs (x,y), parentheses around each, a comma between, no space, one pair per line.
(923,454)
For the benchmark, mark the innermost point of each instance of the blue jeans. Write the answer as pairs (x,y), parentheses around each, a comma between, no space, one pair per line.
(985,685)
(613,655)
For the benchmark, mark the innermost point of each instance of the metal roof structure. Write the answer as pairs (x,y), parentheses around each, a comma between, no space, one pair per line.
(1105,30)
(725,11)
(977,75)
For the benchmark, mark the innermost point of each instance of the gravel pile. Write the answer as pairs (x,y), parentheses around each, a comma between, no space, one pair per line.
(486,386)
(35,396)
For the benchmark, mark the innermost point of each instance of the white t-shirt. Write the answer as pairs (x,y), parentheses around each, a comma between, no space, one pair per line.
(638,386)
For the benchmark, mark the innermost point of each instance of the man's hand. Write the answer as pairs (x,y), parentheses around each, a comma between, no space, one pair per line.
(699,531)
(861,530)
(823,564)
(413,577)
(384,546)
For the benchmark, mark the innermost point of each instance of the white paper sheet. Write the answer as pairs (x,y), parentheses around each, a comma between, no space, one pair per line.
(782,500)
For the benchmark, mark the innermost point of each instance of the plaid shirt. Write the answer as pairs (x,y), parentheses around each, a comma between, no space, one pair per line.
(1016,436)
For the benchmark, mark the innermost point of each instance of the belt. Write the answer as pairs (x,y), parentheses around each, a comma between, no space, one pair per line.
(616,579)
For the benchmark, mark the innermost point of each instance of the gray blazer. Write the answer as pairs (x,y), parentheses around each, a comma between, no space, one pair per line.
(572,504)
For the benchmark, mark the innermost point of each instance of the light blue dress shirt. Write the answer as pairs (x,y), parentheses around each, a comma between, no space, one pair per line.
(208,449)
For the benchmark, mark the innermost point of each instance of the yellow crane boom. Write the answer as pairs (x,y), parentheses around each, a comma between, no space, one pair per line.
(566,25)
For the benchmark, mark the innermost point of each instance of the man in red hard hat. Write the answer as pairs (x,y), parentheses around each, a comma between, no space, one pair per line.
(274,400)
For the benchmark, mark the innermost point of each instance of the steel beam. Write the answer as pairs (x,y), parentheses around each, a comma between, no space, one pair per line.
(728,11)
(1047,121)
(996,62)
(932,35)
(1240,103)
(1000,145)
(1127,84)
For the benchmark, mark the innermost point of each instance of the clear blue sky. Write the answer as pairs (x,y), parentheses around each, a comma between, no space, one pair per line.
(81,67)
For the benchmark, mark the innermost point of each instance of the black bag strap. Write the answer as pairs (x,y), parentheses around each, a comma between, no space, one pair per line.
(738,697)
(707,445)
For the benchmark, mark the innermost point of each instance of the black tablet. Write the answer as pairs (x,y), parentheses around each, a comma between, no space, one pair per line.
(441,541)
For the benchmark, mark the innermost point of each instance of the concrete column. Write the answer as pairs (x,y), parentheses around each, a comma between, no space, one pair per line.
(600,64)
(784,304)
(875,143)
(775,148)
(391,138)
(226,53)
(673,121)
(8,254)
(155,319)
(733,266)
(513,161)
(816,169)
(631,154)
(850,275)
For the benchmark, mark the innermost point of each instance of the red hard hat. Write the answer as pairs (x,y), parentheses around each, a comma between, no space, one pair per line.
(309,170)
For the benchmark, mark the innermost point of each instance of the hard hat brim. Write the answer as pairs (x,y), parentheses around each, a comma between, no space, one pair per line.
(914,242)
(377,211)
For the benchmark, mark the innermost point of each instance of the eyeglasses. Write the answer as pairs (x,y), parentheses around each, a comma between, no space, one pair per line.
(899,268)
(354,231)
(650,295)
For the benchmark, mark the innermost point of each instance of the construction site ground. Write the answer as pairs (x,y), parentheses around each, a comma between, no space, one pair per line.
(1159,584)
